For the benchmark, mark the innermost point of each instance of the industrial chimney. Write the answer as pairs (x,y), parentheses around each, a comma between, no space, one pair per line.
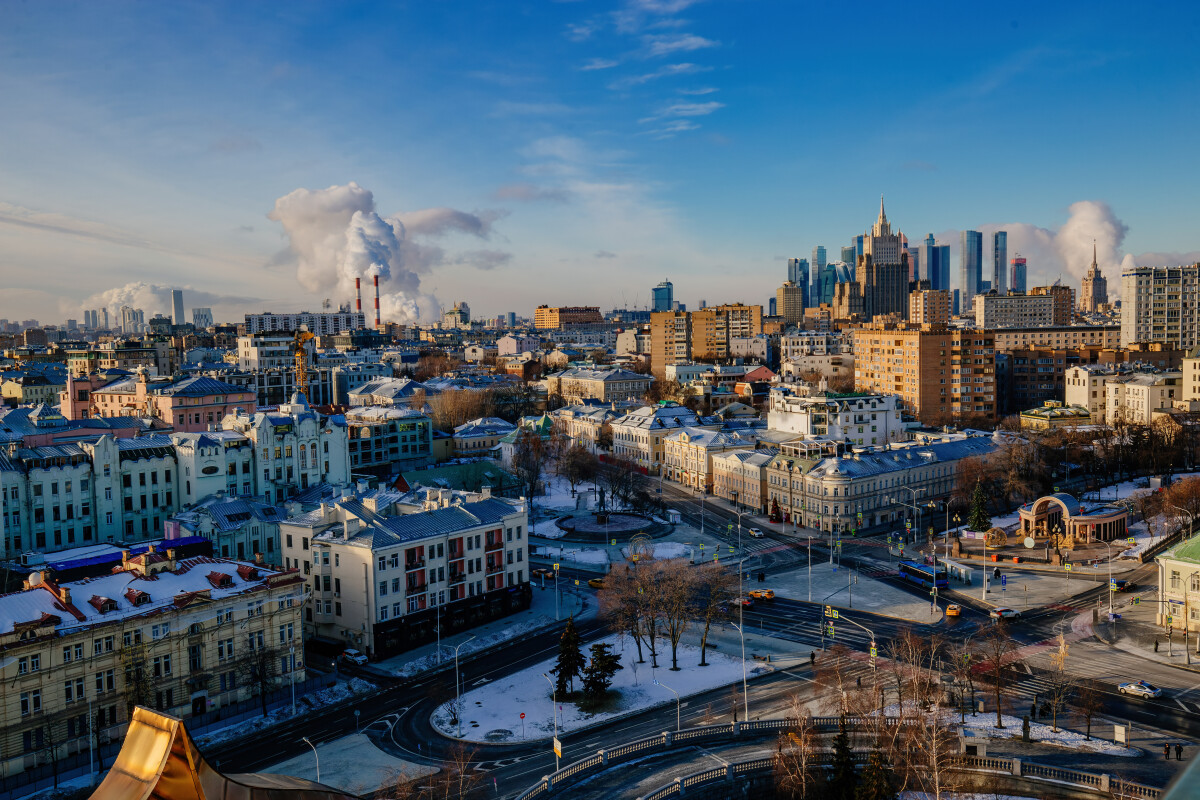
(358,295)
(376,302)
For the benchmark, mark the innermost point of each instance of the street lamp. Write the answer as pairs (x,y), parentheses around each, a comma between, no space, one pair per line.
(672,691)
(553,713)
(458,688)
(745,693)
(315,755)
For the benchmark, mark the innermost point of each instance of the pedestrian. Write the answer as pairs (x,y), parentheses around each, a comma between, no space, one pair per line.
(1156,644)
(1178,752)
(812,657)
(1167,751)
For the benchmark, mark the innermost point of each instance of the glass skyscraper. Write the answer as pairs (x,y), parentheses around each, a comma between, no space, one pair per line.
(999,261)
(664,296)
(969,268)
(798,274)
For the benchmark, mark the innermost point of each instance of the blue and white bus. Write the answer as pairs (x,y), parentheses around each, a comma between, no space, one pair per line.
(922,575)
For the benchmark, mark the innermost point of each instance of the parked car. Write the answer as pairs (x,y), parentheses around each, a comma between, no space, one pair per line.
(756,533)
(1140,688)
(1004,613)
(352,656)
(596,583)
(953,610)
(762,594)
(542,572)
(744,601)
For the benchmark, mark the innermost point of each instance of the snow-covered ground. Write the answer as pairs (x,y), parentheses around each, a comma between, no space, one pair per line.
(578,555)
(666,550)
(493,712)
(430,661)
(304,705)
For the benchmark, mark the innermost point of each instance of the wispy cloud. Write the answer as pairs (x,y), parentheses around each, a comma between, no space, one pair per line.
(605,254)
(599,63)
(673,127)
(582,31)
(666,44)
(528,193)
(685,110)
(18,216)
(483,259)
(666,71)
(701,91)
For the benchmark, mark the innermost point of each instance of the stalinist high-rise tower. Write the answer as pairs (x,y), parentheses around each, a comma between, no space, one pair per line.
(1095,287)
(883,269)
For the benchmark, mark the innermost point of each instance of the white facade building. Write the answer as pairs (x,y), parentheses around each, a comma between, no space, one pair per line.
(1013,310)
(319,323)
(858,420)
(1161,304)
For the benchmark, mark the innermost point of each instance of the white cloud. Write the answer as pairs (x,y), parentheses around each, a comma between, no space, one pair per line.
(599,63)
(528,193)
(669,43)
(667,71)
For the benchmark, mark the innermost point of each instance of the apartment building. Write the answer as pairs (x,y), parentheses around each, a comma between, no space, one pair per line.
(215,461)
(680,337)
(1160,304)
(929,307)
(238,527)
(855,420)
(555,317)
(1083,387)
(319,323)
(182,635)
(480,436)
(688,454)
(1014,311)
(638,436)
(939,373)
(385,570)
(740,476)
(383,439)
(582,423)
(868,489)
(1059,337)
(1063,299)
(188,405)
(1134,398)
(604,385)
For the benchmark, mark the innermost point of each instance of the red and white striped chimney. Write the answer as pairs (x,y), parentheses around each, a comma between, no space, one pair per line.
(358,295)
(376,302)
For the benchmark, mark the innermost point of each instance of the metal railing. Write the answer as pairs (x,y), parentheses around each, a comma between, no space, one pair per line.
(627,751)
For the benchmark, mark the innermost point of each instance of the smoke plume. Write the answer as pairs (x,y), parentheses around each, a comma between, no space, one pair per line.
(336,235)
(155,298)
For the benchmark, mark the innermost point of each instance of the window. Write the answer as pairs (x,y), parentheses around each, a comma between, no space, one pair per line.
(73,690)
(381,564)
(160,631)
(31,702)
(383,588)
(162,666)
(383,613)
(224,649)
(286,633)
(106,681)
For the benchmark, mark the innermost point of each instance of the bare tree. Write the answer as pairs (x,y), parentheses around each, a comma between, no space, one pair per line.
(1060,684)
(998,652)
(798,769)
(623,603)
(258,668)
(715,587)
(577,465)
(1089,701)
(676,599)
(529,460)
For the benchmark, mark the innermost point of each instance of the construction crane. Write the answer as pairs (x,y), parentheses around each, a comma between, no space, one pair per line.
(301,339)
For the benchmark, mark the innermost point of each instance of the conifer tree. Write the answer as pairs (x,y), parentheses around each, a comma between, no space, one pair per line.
(978,519)
(570,659)
(876,780)
(843,780)
(598,675)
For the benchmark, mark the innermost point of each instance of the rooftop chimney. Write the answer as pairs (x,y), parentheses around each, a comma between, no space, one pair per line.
(376,302)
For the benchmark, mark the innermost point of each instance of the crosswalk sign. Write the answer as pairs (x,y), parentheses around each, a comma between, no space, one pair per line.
(831,612)
(1137,601)
(874,652)
(1067,567)
(577,581)
(1131,541)
(1112,586)
(730,526)
(731,548)
(830,632)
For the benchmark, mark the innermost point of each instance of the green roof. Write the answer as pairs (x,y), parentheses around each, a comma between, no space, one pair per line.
(1185,551)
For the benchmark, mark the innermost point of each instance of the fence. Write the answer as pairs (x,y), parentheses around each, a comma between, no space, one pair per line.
(761,767)
(574,772)
(79,764)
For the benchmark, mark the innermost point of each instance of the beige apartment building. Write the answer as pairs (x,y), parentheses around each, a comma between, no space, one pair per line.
(562,316)
(939,373)
(385,571)
(183,636)
(638,436)
(740,476)
(688,455)
(1105,337)
(605,385)
(679,337)
(929,307)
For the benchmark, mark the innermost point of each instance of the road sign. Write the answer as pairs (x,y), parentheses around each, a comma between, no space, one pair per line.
(859,516)
(908,524)
(831,612)
(1137,601)
(556,567)
(522,715)
(614,542)
(1169,619)
(577,581)
(1112,586)
(730,526)
(829,632)
(557,747)
(1067,567)
(874,652)
(1131,541)
(1029,542)
(1003,582)
(731,548)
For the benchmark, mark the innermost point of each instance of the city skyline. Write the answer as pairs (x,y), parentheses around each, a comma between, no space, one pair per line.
(646,137)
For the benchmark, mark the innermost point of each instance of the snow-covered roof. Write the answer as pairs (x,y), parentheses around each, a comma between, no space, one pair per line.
(380,530)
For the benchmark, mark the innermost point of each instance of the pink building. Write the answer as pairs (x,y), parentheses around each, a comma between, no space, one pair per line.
(189,406)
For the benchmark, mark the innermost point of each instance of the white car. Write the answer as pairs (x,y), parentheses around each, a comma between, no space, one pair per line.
(756,533)
(1004,613)
(1140,688)
(353,656)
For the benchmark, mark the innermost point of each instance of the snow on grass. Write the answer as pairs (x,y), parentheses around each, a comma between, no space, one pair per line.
(985,723)
(578,555)
(430,661)
(666,550)
(306,704)
(493,712)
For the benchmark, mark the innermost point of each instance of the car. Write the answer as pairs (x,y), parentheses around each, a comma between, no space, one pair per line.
(542,572)
(596,583)
(352,656)
(953,610)
(1140,688)
(756,533)
(1004,613)
(1126,586)
(762,594)
(744,601)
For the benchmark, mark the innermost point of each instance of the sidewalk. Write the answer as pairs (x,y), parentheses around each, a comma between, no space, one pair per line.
(579,602)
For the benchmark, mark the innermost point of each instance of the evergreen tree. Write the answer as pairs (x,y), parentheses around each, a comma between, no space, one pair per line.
(876,780)
(598,675)
(978,518)
(570,659)
(843,779)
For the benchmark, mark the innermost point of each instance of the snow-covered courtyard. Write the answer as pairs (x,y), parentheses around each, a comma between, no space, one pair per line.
(493,712)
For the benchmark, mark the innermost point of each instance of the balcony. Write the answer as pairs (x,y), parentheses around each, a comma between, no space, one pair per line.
(416,563)
(493,568)
(457,577)
(413,587)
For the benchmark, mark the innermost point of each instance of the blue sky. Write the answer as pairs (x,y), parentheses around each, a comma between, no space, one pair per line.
(593,147)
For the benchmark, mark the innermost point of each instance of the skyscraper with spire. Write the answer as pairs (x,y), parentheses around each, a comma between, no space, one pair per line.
(883,269)
(1095,287)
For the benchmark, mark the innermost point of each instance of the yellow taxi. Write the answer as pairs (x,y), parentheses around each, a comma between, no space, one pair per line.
(596,583)
(762,594)
(953,610)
